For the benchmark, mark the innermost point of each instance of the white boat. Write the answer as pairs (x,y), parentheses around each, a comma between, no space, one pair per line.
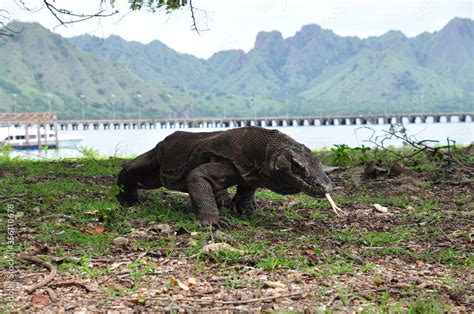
(19,138)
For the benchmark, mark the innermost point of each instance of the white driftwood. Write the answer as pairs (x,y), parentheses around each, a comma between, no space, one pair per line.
(335,208)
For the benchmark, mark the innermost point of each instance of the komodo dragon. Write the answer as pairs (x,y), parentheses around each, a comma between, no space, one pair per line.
(206,164)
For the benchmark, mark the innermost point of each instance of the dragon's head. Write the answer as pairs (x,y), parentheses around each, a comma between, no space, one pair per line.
(302,169)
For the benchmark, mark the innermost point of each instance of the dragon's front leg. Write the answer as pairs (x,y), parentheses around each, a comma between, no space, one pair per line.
(203,183)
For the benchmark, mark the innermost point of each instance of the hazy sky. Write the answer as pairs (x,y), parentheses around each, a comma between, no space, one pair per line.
(235,23)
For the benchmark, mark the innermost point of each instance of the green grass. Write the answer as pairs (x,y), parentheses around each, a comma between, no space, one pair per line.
(418,306)
(293,232)
(82,266)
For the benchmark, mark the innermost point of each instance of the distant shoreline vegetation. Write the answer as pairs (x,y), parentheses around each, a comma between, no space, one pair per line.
(73,111)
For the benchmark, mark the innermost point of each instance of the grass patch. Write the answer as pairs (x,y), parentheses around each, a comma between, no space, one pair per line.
(395,236)
(62,204)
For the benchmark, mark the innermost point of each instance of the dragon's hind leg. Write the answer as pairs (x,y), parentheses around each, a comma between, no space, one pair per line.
(243,200)
(205,183)
(223,199)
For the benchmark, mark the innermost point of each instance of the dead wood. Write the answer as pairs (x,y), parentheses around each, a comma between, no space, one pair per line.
(46,280)
(235,302)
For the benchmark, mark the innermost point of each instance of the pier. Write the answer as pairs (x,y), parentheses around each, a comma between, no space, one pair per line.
(232,122)
(289,121)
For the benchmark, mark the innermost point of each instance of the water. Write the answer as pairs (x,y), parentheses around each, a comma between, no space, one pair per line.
(135,142)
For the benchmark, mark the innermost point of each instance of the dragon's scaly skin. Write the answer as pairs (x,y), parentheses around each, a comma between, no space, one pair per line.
(206,164)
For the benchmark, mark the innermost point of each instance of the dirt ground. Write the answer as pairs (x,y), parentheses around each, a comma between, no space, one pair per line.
(293,255)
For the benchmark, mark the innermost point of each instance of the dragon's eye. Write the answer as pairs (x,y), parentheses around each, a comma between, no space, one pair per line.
(297,167)
(282,163)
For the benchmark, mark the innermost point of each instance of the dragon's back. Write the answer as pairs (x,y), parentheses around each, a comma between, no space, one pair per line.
(246,148)
(180,148)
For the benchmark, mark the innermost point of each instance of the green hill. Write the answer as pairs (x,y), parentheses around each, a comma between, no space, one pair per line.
(450,52)
(313,72)
(383,81)
(154,62)
(318,71)
(40,68)
(42,71)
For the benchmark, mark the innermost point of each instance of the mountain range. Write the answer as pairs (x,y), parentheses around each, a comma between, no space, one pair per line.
(313,72)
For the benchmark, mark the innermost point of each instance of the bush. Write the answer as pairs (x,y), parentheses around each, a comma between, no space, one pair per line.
(343,155)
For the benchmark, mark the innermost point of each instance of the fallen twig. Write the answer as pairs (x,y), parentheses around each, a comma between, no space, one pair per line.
(101,282)
(288,295)
(141,255)
(46,217)
(52,295)
(382,247)
(453,158)
(8,198)
(170,308)
(460,163)
(72,283)
(38,261)
(331,301)
(232,309)
(447,236)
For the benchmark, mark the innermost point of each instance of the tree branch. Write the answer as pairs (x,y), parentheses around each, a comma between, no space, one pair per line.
(47,279)
(193,17)
(193,9)
(57,12)
(6,31)
(25,7)
(399,132)
(60,14)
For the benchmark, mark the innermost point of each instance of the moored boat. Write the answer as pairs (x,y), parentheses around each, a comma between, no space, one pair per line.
(34,138)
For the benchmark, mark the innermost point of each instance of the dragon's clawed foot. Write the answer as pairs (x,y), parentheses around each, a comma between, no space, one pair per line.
(128,201)
(224,200)
(215,222)
(241,206)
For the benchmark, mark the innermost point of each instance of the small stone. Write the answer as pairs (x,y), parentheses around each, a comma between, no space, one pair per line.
(464,179)
(192,282)
(267,308)
(215,247)
(120,241)
(191,242)
(182,285)
(274,284)
(263,278)
(381,208)
(424,285)
(221,236)
(216,278)
(325,283)
(39,300)
(138,234)
(163,228)
(277,291)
